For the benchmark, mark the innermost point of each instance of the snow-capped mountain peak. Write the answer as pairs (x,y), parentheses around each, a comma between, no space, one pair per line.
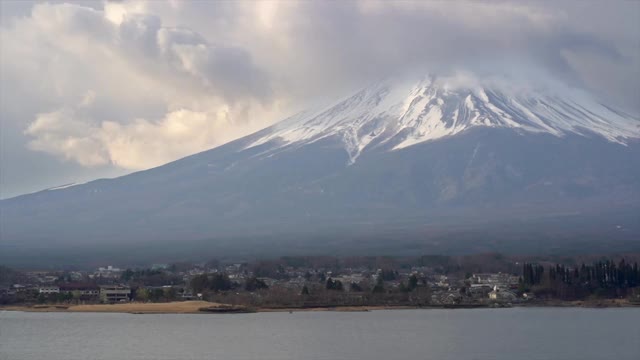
(422,160)
(397,114)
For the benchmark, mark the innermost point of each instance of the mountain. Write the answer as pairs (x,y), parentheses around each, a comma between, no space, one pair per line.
(397,115)
(427,165)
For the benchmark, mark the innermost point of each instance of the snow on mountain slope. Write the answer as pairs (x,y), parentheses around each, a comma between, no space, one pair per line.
(515,157)
(397,114)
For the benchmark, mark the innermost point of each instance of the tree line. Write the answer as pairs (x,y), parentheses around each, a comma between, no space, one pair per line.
(600,279)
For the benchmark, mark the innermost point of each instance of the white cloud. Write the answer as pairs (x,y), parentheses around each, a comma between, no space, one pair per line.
(144,144)
(139,144)
(62,133)
(127,91)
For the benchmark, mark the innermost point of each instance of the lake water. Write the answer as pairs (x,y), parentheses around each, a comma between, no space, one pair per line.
(516,333)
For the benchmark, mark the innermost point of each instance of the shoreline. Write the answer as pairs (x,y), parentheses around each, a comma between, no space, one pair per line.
(204,307)
(176,307)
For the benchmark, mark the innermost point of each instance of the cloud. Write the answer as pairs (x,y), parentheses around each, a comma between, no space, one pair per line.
(129,92)
(62,133)
(143,144)
(133,84)
(140,144)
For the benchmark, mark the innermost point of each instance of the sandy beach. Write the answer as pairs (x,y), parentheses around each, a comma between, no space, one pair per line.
(176,307)
(202,307)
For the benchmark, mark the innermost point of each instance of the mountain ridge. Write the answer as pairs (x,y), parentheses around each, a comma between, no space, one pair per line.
(411,113)
(348,171)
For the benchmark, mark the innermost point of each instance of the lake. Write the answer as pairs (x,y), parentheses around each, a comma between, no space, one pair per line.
(515,333)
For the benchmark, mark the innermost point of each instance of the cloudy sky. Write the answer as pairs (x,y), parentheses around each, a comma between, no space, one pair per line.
(93,89)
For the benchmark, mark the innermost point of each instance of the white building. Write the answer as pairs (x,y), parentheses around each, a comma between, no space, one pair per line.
(109,268)
(109,272)
(48,290)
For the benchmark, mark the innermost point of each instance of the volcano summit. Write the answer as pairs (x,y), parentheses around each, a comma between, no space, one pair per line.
(421,165)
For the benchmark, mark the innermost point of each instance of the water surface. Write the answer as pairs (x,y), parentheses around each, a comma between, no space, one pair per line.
(517,333)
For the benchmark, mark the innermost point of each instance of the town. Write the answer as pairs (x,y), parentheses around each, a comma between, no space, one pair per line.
(488,280)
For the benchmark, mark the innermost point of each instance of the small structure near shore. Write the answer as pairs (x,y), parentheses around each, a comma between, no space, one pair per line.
(501,295)
(114,293)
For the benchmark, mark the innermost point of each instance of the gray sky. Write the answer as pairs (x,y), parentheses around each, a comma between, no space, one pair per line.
(92,89)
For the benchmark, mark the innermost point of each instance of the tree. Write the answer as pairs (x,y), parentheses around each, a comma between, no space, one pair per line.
(156,295)
(388,274)
(305,290)
(253,284)
(379,288)
(127,275)
(463,290)
(142,294)
(169,293)
(199,283)
(63,296)
(322,277)
(468,275)
(307,276)
(220,282)
(334,285)
(413,282)
(330,284)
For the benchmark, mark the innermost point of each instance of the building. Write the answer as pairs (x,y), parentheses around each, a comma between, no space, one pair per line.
(81,291)
(501,295)
(114,293)
(20,288)
(350,279)
(499,279)
(109,269)
(48,290)
(108,272)
(446,298)
(479,291)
